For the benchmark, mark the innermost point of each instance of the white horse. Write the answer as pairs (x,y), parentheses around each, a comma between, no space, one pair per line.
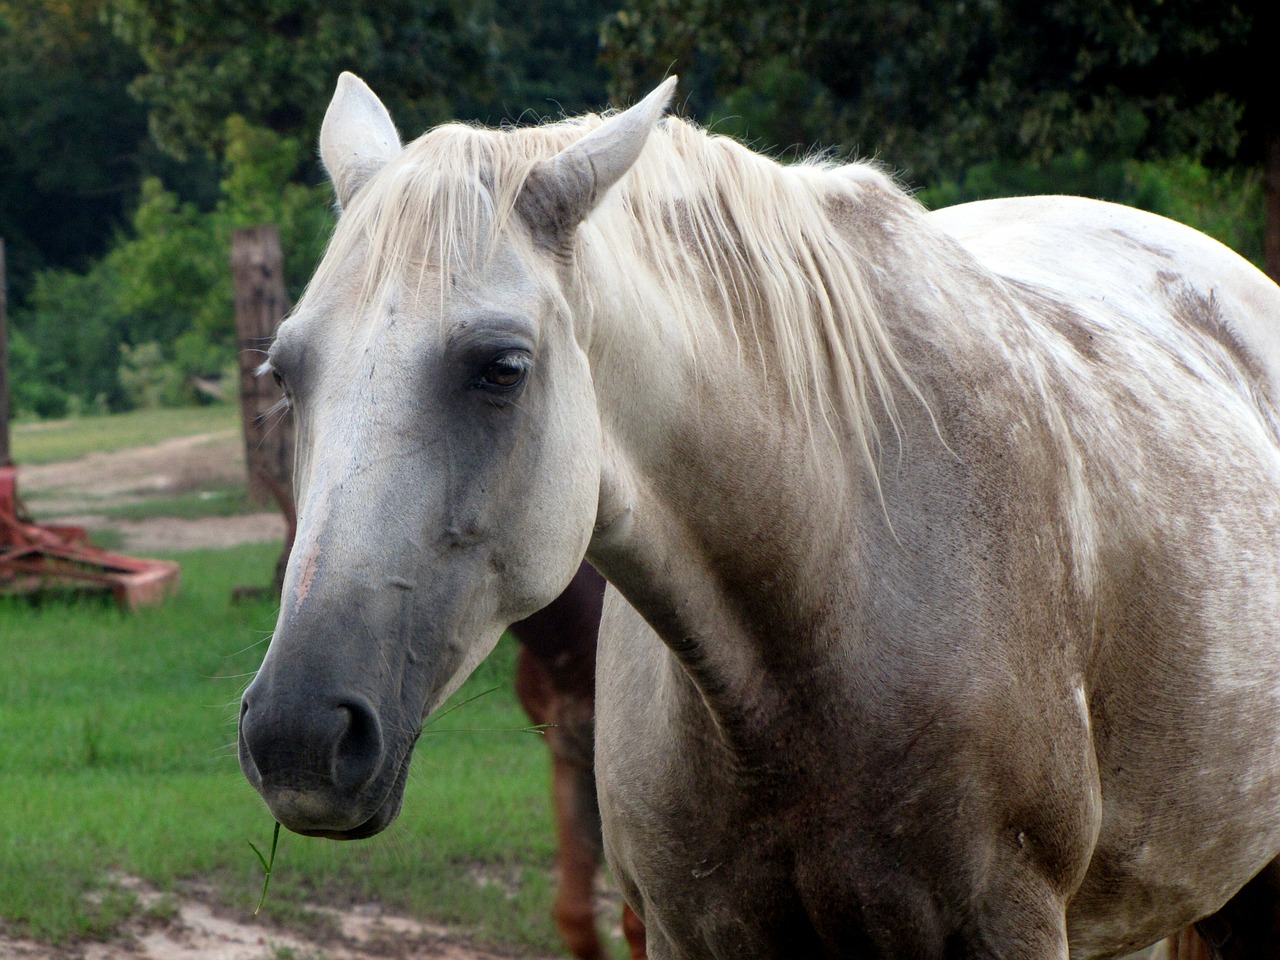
(960,532)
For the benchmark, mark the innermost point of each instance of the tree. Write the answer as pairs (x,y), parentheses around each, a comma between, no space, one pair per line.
(71,139)
(550,50)
(156,310)
(275,63)
(940,85)
(430,60)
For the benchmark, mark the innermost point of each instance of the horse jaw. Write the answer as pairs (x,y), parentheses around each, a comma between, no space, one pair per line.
(357,138)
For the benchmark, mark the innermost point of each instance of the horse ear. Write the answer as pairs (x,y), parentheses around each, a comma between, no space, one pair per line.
(357,138)
(559,193)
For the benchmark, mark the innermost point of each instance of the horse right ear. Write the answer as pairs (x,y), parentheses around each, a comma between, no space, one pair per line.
(561,191)
(357,138)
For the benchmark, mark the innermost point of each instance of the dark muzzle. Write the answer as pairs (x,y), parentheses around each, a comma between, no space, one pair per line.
(319,759)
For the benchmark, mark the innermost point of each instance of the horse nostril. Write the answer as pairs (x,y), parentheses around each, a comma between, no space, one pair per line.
(306,749)
(357,755)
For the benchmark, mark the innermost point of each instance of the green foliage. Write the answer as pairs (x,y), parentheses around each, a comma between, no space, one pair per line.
(92,286)
(960,95)
(35,388)
(75,144)
(1227,205)
(158,309)
(429,60)
(549,58)
(1136,100)
(74,340)
(276,63)
(783,104)
(262,185)
(135,326)
(69,135)
(939,85)
(146,379)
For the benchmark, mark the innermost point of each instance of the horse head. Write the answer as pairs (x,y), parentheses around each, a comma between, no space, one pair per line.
(449,461)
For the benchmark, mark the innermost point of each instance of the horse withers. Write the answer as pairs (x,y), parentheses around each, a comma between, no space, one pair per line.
(954,535)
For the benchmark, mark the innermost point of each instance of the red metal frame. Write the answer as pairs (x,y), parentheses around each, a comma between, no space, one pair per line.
(35,557)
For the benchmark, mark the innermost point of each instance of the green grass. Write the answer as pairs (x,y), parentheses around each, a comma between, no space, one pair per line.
(116,745)
(210,502)
(111,540)
(50,441)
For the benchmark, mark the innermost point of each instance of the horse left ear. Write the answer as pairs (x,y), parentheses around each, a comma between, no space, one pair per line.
(357,138)
(559,193)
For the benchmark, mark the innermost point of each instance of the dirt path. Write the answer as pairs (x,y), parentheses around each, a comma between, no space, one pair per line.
(187,928)
(76,492)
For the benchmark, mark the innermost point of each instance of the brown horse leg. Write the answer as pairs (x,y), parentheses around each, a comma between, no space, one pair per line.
(1246,928)
(578,858)
(633,930)
(555,682)
(578,849)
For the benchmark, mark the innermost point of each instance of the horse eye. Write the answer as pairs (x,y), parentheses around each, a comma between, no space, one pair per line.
(505,372)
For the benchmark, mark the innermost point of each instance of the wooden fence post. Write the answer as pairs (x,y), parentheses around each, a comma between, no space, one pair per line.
(257,271)
(5,456)
(257,275)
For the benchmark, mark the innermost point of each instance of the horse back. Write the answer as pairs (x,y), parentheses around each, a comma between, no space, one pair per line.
(1158,273)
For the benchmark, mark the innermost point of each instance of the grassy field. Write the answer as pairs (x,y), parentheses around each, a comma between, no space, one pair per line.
(72,439)
(50,441)
(116,752)
(217,502)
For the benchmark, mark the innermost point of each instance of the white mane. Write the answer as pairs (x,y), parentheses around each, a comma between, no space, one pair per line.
(727,231)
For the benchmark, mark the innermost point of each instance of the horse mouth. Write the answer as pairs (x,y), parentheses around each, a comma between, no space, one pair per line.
(382,818)
(296,812)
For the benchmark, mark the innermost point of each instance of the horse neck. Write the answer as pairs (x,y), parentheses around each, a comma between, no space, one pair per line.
(721,507)
(748,533)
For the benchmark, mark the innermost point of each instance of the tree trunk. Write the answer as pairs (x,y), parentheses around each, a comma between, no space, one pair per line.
(5,457)
(1271,243)
(257,270)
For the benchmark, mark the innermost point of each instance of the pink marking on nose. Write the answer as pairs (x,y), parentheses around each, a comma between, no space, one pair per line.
(309,563)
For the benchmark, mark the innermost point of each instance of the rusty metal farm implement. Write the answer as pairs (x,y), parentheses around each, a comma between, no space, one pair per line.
(37,557)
